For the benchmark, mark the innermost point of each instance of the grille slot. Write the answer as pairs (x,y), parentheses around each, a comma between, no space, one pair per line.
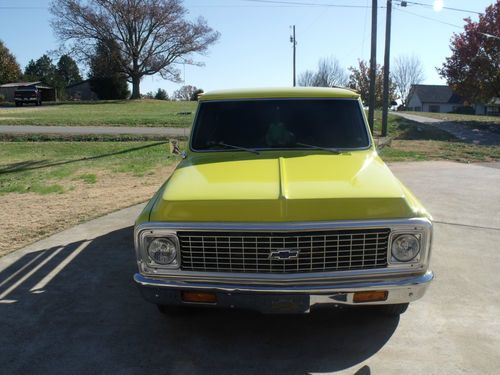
(321,251)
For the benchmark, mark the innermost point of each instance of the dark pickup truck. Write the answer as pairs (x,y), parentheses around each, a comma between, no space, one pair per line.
(27,95)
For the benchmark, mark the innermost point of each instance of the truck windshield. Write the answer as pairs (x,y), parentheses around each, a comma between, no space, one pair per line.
(280,124)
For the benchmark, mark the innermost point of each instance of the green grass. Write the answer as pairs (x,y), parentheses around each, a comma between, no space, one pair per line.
(112,113)
(390,154)
(51,167)
(402,150)
(89,178)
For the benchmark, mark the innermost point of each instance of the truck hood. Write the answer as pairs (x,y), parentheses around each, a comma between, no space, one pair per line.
(312,186)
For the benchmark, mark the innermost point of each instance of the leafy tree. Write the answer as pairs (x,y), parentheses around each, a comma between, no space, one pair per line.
(41,70)
(473,69)
(196,94)
(9,68)
(161,95)
(106,78)
(187,93)
(359,80)
(149,95)
(67,70)
(329,74)
(152,35)
(407,71)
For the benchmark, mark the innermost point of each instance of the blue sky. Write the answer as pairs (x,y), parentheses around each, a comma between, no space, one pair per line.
(254,49)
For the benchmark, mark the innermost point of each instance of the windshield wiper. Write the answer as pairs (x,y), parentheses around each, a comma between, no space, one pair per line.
(235,147)
(329,149)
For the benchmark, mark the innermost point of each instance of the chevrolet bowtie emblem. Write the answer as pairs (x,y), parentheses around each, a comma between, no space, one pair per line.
(284,254)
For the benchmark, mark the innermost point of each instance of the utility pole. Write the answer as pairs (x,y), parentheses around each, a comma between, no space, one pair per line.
(294,43)
(373,67)
(387,57)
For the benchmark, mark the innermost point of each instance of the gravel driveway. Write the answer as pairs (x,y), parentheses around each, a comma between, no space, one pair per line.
(68,304)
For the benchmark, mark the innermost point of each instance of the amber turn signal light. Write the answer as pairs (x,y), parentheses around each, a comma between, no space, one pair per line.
(199,297)
(370,296)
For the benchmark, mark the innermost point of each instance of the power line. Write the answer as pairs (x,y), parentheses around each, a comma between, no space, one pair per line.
(21,8)
(445,23)
(283,2)
(428,18)
(431,6)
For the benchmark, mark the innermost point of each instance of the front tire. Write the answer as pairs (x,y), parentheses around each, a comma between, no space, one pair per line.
(394,310)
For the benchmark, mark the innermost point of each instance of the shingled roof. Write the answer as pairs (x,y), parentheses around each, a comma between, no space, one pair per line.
(436,94)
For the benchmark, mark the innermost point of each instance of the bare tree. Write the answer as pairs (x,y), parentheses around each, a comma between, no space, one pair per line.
(306,78)
(329,74)
(152,35)
(407,71)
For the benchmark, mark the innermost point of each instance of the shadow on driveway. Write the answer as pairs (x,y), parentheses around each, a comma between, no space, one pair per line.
(76,310)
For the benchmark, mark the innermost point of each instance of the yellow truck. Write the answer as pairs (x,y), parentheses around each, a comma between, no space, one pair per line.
(281,203)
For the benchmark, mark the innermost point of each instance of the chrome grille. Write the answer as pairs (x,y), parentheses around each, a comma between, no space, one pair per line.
(317,251)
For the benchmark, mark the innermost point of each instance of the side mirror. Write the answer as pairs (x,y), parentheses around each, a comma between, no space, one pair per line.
(174,148)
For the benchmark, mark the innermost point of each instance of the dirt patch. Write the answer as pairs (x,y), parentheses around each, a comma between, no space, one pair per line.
(26,218)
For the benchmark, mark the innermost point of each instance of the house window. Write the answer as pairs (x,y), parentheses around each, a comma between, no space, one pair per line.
(434,108)
(493,110)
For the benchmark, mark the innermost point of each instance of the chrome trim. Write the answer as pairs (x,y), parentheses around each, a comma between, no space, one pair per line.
(325,251)
(401,290)
(422,225)
(286,226)
(141,248)
(144,250)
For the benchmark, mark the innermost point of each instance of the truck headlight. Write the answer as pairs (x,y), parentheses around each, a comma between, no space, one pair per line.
(162,251)
(405,247)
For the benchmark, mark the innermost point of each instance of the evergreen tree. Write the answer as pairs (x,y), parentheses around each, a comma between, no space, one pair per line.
(106,78)
(67,70)
(41,70)
(161,95)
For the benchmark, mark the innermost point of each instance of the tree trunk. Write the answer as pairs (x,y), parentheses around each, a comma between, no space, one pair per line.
(136,92)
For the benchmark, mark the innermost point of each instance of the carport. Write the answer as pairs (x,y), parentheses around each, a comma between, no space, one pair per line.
(8,89)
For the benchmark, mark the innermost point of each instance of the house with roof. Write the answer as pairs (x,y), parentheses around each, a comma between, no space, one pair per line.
(81,91)
(441,98)
(433,98)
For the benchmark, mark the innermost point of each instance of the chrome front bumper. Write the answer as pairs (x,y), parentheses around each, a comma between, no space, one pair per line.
(284,298)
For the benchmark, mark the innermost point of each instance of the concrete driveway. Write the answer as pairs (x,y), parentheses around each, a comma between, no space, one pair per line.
(68,304)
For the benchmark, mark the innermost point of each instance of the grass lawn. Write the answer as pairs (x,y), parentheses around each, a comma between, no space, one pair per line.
(112,113)
(42,167)
(413,141)
(49,186)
